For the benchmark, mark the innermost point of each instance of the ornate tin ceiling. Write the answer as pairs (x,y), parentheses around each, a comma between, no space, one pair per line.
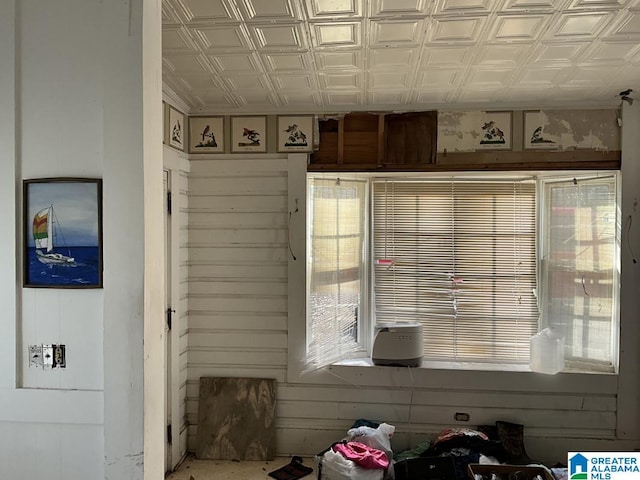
(286,56)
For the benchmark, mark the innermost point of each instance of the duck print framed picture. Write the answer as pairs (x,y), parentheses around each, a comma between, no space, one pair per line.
(495,131)
(248,134)
(295,133)
(206,134)
(62,233)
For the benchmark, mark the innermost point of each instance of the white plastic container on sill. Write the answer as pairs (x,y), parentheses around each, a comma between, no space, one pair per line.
(547,352)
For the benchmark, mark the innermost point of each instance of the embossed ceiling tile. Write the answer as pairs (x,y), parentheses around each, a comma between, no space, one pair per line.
(200,83)
(519,27)
(572,94)
(526,98)
(395,32)
(557,53)
(298,100)
(259,99)
(341,81)
(169,15)
(344,9)
(341,99)
(399,7)
(343,60)
(546,77)
(536,6)
(286,62)
(611,52)
(626,27)
(337,34)
(391,57)
(395,80)
(185,63)
(627,77)
(457,29)
(464,6)
(447,55)
(480,96)
(218,99)
(508,55)
(177,40)
(433,98)
(243,82)
(272,10)
(223,38)
(614,4)
(438,79)
(584,76)
(581,24)
(205,10)
(489,77)
(291,82)
(278,36)
(387,98)
(235,63)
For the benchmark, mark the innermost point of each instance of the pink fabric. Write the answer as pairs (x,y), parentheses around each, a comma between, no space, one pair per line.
(363,455)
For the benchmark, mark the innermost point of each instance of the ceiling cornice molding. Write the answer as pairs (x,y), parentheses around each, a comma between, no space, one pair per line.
(171,97)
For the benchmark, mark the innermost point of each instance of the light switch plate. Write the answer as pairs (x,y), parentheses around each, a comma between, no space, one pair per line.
(47,355)
(35,356)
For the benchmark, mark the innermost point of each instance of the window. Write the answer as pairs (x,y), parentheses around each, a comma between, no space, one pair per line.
(483,263)
(336,272)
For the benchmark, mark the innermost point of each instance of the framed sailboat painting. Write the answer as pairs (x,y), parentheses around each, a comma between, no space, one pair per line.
(62,233)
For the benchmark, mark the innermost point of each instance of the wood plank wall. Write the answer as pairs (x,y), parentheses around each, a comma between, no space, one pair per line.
(237,300)
(181,190)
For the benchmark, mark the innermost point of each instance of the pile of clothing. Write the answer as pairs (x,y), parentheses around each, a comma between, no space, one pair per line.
(364,454)
(449,455)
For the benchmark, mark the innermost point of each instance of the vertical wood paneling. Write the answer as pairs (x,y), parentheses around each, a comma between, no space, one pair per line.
(238,326)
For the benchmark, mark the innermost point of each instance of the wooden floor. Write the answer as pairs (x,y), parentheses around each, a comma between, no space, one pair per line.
(194,469)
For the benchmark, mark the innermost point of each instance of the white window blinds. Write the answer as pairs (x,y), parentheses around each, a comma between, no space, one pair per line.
(459,257)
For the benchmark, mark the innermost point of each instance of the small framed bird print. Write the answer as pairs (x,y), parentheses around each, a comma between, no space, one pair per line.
(495,131)
(248,134)
(295,133)
(536,131)
(206,134)
(176,133)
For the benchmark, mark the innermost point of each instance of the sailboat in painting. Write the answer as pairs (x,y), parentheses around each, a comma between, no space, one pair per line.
(45,228)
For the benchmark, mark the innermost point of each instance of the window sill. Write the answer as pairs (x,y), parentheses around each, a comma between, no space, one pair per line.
(456,376)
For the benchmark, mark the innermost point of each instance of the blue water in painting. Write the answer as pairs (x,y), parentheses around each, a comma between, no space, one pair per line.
(84,272)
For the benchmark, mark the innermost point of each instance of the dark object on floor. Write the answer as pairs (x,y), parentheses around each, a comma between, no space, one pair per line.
(509,472)
(512,439)
(363,422)
(291,471)
(426,468)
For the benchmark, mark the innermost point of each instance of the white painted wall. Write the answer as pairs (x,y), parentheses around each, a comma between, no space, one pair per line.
(244,322)
(80,96)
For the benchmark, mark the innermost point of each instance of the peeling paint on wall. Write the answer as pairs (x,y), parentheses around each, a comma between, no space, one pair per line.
(460,131)
(572,130)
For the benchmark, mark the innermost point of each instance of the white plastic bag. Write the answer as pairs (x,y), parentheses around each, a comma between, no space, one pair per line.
(334,466)
(379,438)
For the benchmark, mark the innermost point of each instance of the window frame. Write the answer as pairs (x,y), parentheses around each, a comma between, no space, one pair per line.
(364,373)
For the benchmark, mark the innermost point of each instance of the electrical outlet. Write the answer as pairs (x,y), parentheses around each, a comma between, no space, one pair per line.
(59,356)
